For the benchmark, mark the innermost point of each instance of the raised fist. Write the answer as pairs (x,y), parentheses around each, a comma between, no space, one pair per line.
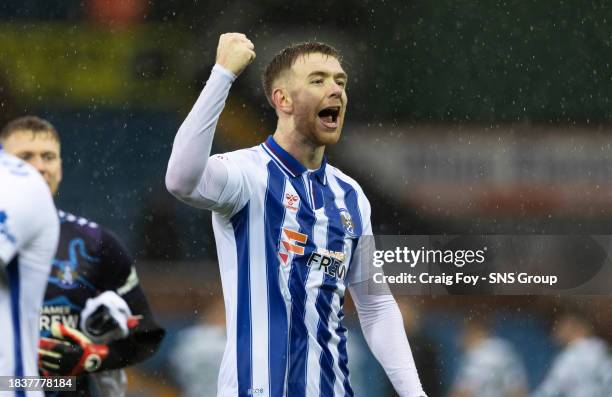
(235,52)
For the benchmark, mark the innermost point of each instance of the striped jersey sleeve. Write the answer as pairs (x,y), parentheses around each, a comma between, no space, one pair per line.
(27,213)
(29,231)
(225,186)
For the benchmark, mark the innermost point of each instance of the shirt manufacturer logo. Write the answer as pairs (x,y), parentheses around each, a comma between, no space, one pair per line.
(292,201)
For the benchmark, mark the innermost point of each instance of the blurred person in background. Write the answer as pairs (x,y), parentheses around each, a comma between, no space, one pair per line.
(584,367)
(29,231)
(424,350)
(490,366)
(196,356)
(95,318)
(291,232)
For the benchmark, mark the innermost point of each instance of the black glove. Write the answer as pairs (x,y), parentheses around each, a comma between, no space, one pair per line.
(69,352)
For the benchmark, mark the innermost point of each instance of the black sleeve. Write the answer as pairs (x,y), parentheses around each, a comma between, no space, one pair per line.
(120,276)
(116,261)
(144,339)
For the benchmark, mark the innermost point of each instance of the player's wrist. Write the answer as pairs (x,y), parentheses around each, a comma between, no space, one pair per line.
(223,71)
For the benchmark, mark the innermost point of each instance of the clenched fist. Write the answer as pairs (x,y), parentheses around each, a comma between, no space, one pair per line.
(235,52)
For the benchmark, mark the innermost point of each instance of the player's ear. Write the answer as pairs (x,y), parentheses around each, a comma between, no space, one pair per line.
(282,101)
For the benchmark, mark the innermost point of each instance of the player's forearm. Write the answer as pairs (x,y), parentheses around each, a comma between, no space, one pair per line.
(383,328)
(105,322)
(132,350)
(144,339)
(193,141)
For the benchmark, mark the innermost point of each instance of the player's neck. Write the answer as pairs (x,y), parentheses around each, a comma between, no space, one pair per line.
(304,151)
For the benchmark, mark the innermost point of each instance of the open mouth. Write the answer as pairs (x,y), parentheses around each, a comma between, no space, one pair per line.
(329,117)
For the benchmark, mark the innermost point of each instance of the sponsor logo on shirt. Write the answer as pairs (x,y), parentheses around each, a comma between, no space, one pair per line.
(60,314)
(329,264)
(341,256)
(290,245)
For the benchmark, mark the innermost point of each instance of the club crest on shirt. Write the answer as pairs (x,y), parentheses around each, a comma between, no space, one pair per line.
(291,201)
(347,222)
(64,272)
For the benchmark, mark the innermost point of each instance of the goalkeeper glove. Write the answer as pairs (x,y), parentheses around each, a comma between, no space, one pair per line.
(69,352)
(106,318)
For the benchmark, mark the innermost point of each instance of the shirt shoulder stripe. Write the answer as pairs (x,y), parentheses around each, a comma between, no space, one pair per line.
(274,214)
(298,339)
(244,355)
(14,282)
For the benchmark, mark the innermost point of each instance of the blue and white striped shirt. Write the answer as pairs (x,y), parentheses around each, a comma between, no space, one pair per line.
(285,239)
